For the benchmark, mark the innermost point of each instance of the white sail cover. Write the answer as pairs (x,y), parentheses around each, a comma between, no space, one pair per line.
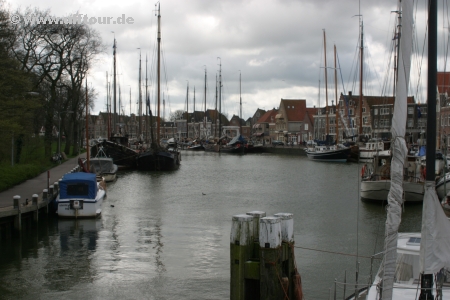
(435,241)
(399,150)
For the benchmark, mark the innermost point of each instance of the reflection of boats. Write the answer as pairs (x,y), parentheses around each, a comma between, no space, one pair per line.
(81,195)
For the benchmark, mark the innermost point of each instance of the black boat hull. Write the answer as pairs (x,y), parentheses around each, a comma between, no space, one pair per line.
(121,154)
(158,160)
(340,155)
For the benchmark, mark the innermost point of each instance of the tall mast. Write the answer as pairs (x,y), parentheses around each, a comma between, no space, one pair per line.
(108,107)
(240,106)
(120,105)
(158,124)
(146,98)
(87,129)
(220,97)
(140,97)
(361,52)
(204,117)
(194,108)
(336,97)
(326,84)
(114,86)
(215,110)
(129,131)
(187,110)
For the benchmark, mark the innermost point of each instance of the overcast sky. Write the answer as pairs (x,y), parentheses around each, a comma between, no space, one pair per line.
(276,46)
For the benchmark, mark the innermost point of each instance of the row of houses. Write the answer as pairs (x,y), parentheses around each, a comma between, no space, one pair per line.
(292,121)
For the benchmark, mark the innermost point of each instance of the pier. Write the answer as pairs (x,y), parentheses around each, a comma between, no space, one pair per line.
(21,205)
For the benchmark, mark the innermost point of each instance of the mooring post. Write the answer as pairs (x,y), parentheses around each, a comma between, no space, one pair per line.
(34,200)
(51,191)
(287,257)
(241,240)
(45,198)
(56,187)
(270,256)
(256,216)
(18,218)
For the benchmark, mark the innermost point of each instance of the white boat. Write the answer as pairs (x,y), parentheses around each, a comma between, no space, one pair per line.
(80,195)
(414,265)
(372,148)
(407,272)
(376,183)
(104,167)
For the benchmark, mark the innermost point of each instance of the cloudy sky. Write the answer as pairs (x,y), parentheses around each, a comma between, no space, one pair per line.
(276,46)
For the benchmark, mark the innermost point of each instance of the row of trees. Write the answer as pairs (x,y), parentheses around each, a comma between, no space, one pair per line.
(43,70)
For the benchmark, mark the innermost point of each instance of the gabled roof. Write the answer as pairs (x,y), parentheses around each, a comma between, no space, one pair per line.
(268,117)
(295,109)
(443,82)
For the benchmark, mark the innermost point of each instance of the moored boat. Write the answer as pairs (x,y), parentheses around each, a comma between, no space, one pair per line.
(328,153)
(80,195)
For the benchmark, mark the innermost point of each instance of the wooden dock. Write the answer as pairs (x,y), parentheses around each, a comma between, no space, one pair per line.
(23,203)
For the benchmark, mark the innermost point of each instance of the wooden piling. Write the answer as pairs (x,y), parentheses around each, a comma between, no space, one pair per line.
(18,217)
(287,257)
(45,199)
(34,200)
(270,259)
(257,215)
(241,241)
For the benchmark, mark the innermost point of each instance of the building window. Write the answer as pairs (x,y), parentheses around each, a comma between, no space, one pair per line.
(363,109)
(350,111)
(375,111)
(365,120)
(410,110)
(306,126)
(410,122)
(384,111)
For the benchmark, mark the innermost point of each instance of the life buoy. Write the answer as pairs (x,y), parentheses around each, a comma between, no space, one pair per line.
(363,171)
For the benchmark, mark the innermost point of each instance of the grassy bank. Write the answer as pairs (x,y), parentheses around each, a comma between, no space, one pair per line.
(30,168)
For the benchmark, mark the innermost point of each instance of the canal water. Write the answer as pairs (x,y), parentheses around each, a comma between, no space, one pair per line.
(167,235)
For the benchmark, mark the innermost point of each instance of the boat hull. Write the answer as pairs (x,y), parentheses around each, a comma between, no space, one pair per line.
(340,155)
(441,188)
(158,160)
(377,191)
(121,155)
(88,208)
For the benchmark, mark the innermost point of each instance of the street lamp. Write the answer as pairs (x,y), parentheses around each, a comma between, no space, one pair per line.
(59,128)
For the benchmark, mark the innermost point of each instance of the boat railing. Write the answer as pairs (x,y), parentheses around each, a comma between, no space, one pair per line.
(378,177)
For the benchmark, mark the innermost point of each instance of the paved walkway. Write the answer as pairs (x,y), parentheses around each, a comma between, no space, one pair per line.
(36,185)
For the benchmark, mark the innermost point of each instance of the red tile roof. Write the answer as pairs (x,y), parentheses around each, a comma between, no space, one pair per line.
(443,82)
(268,117)
(295,109)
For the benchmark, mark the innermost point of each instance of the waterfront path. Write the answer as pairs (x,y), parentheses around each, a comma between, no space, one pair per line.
(36,185)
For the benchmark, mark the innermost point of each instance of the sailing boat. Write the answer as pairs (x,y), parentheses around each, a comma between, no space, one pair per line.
(331,153)
(117,147)
(237,144)
(157,158)
(413,260)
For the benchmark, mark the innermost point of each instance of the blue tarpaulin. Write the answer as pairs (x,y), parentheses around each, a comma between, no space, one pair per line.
(422,151)
(78,185)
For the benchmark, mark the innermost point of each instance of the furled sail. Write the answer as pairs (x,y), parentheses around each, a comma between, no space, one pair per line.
(399,150)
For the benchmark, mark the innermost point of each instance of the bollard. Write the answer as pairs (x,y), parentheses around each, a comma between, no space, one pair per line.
(270,259)
(18,218)
(51,192)
(56,187)
(241,240)
(287,256)
(256,216)
(45,198)
(34,200)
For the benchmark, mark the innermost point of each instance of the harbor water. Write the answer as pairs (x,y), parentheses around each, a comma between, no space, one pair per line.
(167,235)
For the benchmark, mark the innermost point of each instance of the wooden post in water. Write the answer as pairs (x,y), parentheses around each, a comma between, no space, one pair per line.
(287,258)
(34,202)
(18,218)
(45,198)
(257,215)
(241,241)
(270,259)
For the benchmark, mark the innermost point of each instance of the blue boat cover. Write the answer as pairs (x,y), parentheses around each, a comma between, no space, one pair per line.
(78,185)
